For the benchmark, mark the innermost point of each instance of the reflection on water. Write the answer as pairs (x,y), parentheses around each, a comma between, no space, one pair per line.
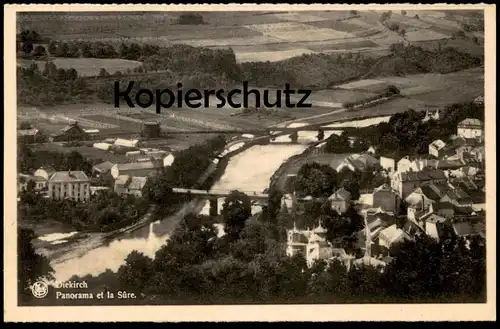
(147,240)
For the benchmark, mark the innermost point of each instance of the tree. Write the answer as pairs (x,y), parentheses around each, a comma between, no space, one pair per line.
(25,125)
(403,12)
(315,180)
(236,210)
(32,267)
(136,272)
(39,51)
(52,48)
(103,72)
(321,134)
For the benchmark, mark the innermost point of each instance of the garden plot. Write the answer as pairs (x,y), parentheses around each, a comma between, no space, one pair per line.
(332,14)
(410,21)
(422,35)
(229,41)
(339,96)
(299,32)
(299,17)
(359,123)
(328,46)
(416,90)
(187,32)
(272,56)
(360,84)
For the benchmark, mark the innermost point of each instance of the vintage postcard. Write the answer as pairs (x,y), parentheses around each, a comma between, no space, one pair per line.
(249,162)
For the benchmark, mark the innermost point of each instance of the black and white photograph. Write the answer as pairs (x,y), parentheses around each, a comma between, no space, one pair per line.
(272,156)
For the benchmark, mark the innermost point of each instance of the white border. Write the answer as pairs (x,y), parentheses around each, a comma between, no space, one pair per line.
(373,312)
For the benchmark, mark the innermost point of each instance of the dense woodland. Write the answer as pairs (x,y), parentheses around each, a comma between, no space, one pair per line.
(203,68)
(249,266)
(406,134)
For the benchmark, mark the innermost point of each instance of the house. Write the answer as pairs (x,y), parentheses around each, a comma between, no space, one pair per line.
(478,154)
(130,143)
(73,185)
(370,261)
(359,162)
(45,171)
(102,169)
(40,183)
(130,185)
(464,172)
(92,133)
(479,100)
(443,209)
(340,200)
(102,146)
(311,244)
(408,163)
(449,164)
(467,229)
(437,148)
(391,235)
(28,135)
(471,128)
(434,225)
(344,258)
(139,169)
(386,198)
(72,132)
(405,182)
(388,164)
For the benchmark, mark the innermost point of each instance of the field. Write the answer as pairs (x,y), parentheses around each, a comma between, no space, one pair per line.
(248,33)
(88,66)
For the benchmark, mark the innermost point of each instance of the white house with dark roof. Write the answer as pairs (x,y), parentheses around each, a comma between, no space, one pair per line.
(391,235)
(471,128)
(340,200)
(74,185)
(130,185)
(437,148)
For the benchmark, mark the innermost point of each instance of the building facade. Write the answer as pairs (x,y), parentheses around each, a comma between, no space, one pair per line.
(470,128)
(73,185)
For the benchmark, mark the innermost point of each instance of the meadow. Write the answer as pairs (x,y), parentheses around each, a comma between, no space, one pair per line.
(293,33)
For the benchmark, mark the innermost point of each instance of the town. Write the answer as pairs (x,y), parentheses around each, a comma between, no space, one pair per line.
(374,194)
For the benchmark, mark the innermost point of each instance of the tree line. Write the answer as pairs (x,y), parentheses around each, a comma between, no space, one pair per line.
(406,134)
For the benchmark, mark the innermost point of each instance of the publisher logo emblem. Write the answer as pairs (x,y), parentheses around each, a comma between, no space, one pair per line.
(39,289)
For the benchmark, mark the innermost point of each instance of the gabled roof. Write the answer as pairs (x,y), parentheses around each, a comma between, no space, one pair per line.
(103,166)
(384,188)
(471,122)
(122,180)
(449,164)
(126,142)
(27,132)
(71,126)
(438,144)
(68,176)
(340,194)
(138,165)
(137,183)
